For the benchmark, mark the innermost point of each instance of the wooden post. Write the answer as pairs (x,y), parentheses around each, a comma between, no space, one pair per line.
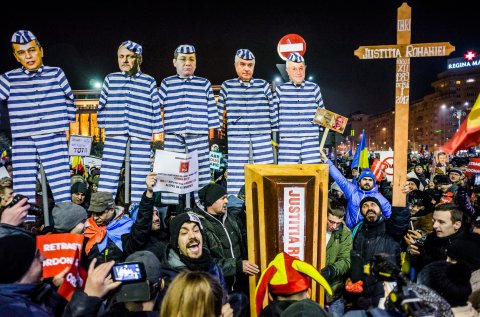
(402,52)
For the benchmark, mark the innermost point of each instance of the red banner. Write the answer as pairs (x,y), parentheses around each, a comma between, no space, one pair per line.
(473,167)
(75,278)
(59,250)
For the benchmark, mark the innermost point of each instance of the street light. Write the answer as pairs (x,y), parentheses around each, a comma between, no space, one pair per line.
(459,114)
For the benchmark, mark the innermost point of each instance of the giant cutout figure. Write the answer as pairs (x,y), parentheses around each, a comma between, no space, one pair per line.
(41,107)
(129,107)
(251,117)
(298,102)
(189,111)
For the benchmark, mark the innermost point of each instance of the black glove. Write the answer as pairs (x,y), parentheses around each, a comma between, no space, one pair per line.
(328,273)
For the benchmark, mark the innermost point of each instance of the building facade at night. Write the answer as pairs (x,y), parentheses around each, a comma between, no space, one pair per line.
(433,119)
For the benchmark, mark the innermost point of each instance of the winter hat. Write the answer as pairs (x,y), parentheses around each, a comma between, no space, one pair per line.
(370,198)
(153,270)
(441,179)
(455,170)
(287,275)
(451,281)
(79,187)
(100,201)
(366,173)
(304,308)
(414,180)
(465,250)
(210,193)
(176,224)
(67,215)
(17,251)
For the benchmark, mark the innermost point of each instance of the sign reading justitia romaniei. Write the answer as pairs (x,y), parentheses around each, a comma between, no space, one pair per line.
(402,52)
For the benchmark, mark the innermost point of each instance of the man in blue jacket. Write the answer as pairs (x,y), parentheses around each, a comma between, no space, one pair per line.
(354,193)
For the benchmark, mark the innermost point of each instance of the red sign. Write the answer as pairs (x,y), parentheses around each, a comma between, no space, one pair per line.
(59,250)
(75,278)
(291,43)
(473,167)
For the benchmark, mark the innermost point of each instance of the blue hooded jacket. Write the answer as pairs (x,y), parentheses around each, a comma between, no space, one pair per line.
(355,194)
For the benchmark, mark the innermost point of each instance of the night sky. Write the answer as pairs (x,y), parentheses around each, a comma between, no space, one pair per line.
(83,42)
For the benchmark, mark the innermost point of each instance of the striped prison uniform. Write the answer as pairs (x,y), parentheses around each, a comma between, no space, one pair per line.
(299,136)
(41,107)
(189,111)
(129,107)
(251,117)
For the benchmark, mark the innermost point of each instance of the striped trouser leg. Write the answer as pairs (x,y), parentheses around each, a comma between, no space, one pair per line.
(53,151)
(310,150)
(24,163)
(140,166)
(199,142)
(112,161)
(289,150)
(238,150)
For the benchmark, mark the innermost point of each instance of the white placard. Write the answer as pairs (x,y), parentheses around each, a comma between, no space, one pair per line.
(91,161)
(79,145)
(3,172)
(176,172)
(294,221)
(215,160)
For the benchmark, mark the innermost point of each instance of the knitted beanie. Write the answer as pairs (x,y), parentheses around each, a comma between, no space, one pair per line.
(176,224)
(17,251)
(211,193)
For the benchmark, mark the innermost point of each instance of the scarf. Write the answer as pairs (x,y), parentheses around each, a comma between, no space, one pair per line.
(113,231)
(201,264)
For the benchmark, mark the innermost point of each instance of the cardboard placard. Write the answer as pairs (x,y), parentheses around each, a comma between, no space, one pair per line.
(330,120)
(80,145)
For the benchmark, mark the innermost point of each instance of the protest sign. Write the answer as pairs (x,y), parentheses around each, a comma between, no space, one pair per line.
(59,250)
(80,145)
(176,172)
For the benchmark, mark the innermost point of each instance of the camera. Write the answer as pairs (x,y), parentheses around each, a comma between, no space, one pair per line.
(129,272)
(34,210)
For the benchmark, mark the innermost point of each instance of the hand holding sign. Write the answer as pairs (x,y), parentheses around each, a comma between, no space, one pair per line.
(330,121)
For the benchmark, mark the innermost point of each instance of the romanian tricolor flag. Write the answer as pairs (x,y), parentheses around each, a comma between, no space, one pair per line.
(349,153)
(468,134)
(361,155)
(77,165)
(4,155)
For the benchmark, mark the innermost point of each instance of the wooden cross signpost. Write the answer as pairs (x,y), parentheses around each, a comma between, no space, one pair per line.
(402,51)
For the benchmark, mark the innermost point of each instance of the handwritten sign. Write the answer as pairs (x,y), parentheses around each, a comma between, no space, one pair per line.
(330,120)
(215,160)
(79,145)
(59,250)
(176,172)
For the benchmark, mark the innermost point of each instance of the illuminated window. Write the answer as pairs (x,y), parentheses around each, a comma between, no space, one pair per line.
(458,82)
(471,80)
